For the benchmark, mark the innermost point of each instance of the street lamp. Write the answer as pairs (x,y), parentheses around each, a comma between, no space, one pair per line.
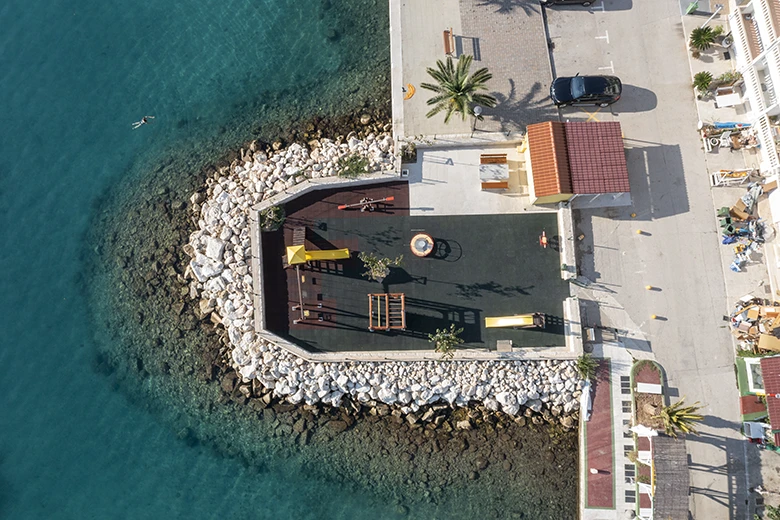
(477,115)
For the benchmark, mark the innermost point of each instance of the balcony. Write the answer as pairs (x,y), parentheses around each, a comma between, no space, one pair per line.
(753,38)
(774,14)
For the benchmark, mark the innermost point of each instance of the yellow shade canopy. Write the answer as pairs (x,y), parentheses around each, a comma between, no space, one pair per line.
(296,255)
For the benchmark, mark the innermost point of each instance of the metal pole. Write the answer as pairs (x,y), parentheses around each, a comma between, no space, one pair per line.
(718,7)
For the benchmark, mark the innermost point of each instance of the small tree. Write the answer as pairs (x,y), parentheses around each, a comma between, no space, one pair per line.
(456,89)
(377,268)
(586,366)
(702,81)
(445,341)
(679,417)
(702,38)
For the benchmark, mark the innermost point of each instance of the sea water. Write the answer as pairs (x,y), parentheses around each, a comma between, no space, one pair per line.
(74,76)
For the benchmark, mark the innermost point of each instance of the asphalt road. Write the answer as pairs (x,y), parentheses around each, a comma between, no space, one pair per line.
(679,251)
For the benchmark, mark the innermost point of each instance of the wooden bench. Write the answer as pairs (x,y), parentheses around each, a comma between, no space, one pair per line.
(495,185)
(492,158)
(449,42)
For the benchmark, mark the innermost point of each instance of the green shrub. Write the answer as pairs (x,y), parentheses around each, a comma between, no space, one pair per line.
(272,218)
(728,78)
(352,165)
(445,341)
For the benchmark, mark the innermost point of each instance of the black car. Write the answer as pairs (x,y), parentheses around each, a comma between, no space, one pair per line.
(550,3)
(586,90)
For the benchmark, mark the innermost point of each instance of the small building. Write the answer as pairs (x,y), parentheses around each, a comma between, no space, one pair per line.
(581,162)
(752,406)
(770,374)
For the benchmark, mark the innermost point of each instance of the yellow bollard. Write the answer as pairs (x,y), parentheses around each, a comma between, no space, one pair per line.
(639,231)
(633,215)
(653,317)
(649,287)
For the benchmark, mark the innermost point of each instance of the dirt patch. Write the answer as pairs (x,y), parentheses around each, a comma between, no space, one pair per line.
(647,407)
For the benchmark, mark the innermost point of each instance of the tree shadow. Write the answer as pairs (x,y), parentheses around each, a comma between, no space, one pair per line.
(475,290)
(507,6)
(515,113)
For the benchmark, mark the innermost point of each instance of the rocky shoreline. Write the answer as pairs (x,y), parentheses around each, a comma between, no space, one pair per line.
(220,280)
(165,354)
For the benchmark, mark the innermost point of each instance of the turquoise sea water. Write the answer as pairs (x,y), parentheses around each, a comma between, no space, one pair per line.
(80,440)
(73,77)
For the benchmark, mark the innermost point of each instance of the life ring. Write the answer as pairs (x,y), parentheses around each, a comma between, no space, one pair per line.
(409,91)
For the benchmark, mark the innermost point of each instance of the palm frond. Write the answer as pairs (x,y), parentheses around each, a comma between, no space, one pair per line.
(456,89)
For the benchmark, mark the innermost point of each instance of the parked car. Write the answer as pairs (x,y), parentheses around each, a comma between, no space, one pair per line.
(550,3)
(586,90)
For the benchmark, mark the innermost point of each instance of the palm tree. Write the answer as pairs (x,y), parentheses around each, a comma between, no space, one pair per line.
(586,366)
(679,417)
(702,38)
(456,89)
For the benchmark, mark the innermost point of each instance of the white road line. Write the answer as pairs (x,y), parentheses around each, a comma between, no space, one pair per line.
(611,66)
(605,37)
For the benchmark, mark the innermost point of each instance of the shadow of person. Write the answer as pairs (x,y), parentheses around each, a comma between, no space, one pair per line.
(449,250)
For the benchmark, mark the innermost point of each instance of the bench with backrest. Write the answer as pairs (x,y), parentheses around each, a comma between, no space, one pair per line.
(492,158)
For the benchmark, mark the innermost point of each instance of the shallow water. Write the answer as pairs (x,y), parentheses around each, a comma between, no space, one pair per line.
(78,440)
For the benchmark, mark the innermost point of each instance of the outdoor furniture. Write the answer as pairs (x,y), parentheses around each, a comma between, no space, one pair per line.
(421,245)
(723,212)
(727,97)
(449,42)
(493,171)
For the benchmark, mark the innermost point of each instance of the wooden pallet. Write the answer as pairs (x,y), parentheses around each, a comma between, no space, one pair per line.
(386,311)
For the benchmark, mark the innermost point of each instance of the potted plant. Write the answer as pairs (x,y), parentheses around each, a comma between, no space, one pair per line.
(377,268)
(445,341)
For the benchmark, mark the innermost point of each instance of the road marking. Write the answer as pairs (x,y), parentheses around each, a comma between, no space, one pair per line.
(605,37)
(611,66)
(599,7)
(592,115)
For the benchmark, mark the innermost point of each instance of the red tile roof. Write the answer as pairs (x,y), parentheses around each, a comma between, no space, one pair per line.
(549,163)
(770,374)
(580,157)
(597,161)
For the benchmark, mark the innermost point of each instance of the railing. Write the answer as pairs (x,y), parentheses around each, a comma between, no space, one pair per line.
(763,19)
(768,149)
(738,29)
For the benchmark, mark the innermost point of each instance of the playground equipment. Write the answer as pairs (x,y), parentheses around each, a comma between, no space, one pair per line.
(518,321)
(386,311)
(298,255)
(366,204)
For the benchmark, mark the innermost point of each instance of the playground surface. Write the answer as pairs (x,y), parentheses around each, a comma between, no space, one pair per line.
(481,266)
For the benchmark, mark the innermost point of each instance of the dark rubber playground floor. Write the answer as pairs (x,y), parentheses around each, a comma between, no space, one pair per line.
(485,265)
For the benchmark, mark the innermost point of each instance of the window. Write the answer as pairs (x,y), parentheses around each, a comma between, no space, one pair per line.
(626,406)
(625,385)
(630,496)
(630,471)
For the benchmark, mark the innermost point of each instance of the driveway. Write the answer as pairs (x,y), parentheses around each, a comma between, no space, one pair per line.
(678,253)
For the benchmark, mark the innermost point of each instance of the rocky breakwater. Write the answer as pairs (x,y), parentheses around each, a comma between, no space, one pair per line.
(220,276)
